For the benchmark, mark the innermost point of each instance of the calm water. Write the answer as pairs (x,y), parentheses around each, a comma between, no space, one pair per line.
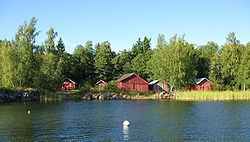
(102,121)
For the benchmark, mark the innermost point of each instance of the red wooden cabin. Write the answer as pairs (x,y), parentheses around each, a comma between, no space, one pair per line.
(100,83)
(68,84)
(132,82)
(202,84)
(158,86)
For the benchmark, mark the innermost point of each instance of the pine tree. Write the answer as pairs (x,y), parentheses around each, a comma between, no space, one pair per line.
(60,48)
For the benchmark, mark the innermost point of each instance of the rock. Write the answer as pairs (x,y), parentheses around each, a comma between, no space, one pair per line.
(88,97)
(7,95)
(96,96)
(102,97)
(116,97)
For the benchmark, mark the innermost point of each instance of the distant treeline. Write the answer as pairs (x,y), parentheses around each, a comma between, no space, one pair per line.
(27,65)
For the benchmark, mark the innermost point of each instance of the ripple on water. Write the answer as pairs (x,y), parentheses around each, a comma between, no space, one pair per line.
(102,121)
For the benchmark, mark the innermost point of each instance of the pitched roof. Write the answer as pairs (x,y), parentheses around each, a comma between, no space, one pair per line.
(69,80)
(129,75)
(153,82)
(125,76)
(100,82)
(199,80)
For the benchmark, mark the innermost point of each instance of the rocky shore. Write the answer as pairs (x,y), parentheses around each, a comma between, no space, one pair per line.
(7,95)
(103,96)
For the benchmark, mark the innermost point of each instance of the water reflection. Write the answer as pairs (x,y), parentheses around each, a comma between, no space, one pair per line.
(125,133)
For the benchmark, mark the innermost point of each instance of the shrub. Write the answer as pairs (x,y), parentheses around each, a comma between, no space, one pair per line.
(111,87)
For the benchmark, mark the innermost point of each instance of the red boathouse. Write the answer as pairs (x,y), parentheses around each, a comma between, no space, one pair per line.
(68,84)
(202,84)
(132,82)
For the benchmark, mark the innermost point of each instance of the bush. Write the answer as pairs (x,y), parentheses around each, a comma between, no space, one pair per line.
(86,88)
(111,87)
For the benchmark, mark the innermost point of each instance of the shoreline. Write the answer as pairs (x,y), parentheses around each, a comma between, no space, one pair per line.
(7,95)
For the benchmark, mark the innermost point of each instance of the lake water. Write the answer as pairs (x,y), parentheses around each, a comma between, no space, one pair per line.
(151,120)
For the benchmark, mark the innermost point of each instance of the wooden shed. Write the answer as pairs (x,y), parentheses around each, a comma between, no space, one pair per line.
(100,83)
(68,84)
(202,84)
(132,82)
(158,86)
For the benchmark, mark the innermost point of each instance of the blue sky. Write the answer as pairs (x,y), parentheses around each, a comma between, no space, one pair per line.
(122,22)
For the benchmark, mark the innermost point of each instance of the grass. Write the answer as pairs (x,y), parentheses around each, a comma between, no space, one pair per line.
(69,92)
(59,96)
(213,95)
(141,97)
(135,95)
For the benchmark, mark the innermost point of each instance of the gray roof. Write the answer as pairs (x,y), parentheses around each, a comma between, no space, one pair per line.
(70,80)
(199,80)
(125,76)
(153,82)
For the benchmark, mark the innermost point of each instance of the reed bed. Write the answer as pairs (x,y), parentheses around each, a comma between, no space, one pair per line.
(141,97)
(213,95)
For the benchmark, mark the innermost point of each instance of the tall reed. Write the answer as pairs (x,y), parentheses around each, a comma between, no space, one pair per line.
(213,95)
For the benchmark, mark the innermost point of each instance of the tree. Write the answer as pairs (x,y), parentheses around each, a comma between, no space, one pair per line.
(204,55)
(25,42)
(103,61)
(141,46)
(121,63)
(49,42)
(60,48)
(243,76)
(8,64)
(140,55)
(230,60)
(173,62)
(83,63)
(157,65)
(215,75)
(50,72)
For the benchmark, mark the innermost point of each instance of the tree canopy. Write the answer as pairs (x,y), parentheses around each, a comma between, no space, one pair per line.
(177,62)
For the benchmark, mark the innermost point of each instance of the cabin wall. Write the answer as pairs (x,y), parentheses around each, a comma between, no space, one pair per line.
(204,85)
(68,85)
(133,83)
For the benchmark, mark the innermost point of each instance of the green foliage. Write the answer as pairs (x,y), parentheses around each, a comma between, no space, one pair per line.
(205,54)
(7,65)
(86,88)
(24,41)
(215,74)
(43,67)
(243,76)
(103,61)
(83,64)
(49,42)
(230,60)
(173,62)
(60,48)
(121,63)
(111,87)
(140,55)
